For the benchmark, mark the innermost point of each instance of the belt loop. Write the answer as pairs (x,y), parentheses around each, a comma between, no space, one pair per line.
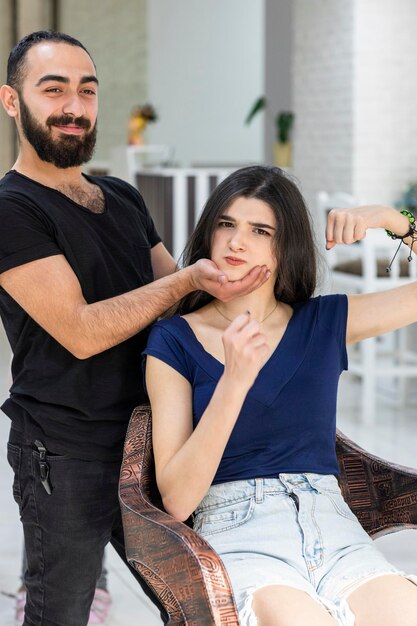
(311,483)
(284,482)
(259,491)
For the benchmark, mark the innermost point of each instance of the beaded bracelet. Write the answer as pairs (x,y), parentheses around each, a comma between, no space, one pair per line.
(411,230)
(411,233)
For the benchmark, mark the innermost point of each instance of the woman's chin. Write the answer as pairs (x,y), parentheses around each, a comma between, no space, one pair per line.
(235,273)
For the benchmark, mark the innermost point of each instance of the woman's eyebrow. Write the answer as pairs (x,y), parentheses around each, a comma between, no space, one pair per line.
(227,217)
(257,224)
(260,225)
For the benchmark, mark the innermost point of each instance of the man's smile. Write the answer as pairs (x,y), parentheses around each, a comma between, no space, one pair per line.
(70,129)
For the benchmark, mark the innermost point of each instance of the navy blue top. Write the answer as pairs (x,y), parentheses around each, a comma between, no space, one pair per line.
(288,420)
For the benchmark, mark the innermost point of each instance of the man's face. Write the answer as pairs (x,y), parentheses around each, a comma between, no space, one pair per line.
(58,104)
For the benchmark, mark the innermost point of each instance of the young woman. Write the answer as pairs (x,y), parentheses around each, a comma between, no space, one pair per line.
(243,397)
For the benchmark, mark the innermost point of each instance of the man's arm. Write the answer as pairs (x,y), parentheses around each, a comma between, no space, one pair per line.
(49,291)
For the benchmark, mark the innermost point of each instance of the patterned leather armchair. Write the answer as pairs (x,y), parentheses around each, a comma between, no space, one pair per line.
(186,573)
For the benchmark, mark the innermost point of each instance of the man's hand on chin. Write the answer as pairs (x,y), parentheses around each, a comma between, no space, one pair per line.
(206,276)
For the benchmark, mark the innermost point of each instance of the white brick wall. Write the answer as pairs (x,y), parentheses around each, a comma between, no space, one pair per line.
(322,99)
(115,34)
(385,98)
(355,95)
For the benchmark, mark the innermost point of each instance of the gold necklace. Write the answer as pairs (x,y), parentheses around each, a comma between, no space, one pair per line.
(229,320)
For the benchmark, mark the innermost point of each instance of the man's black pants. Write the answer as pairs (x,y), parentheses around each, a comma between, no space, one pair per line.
(65,532)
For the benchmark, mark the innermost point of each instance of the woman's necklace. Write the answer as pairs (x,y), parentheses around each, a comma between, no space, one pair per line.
(229,320)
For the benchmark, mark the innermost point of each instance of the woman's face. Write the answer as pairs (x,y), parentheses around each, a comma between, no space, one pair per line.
(243,237)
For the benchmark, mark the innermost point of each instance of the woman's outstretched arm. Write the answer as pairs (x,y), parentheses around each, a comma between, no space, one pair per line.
(383,311)
(186,460)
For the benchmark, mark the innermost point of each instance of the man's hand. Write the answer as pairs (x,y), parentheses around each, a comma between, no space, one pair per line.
(206,276)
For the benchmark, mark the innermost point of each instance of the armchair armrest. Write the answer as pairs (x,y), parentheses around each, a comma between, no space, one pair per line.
(382,495)
(179,565)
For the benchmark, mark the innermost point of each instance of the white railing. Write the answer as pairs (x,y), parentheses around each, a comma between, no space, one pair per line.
(176,197)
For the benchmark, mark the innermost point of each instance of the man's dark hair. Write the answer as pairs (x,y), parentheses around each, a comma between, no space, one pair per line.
(17,57)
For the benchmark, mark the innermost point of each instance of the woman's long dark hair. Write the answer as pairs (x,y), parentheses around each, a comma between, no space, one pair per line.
(293,239)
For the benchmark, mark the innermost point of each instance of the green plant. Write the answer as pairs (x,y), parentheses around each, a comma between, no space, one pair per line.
(283,121)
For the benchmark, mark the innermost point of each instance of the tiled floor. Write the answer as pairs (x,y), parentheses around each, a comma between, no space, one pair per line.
(394,436)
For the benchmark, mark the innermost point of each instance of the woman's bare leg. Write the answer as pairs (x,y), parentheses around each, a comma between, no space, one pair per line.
(278,605)
(389,600)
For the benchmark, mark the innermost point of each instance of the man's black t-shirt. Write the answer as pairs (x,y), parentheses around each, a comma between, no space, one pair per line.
(76,407)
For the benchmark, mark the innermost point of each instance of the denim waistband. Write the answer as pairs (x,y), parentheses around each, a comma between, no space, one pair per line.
(256,488)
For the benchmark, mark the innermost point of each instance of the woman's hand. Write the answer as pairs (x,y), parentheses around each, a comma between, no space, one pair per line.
(350,225)
(246,351)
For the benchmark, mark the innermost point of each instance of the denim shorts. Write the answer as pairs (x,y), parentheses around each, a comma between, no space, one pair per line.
(294,530)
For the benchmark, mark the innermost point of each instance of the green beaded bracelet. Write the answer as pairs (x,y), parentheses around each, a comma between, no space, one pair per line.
(411,233)
(411,230)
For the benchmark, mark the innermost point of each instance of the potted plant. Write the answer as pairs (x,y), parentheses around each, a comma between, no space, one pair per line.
(283,147)
(284,121)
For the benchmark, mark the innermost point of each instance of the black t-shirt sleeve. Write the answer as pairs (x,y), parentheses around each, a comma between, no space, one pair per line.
(24,236)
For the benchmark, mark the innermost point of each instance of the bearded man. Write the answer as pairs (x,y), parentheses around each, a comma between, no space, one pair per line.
(83,273)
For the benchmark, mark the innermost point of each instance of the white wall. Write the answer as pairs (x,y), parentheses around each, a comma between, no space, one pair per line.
(205,70)
(323,95)
(355,97)
(385,98)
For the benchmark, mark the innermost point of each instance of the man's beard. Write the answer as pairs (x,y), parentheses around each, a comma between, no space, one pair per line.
(67,150)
